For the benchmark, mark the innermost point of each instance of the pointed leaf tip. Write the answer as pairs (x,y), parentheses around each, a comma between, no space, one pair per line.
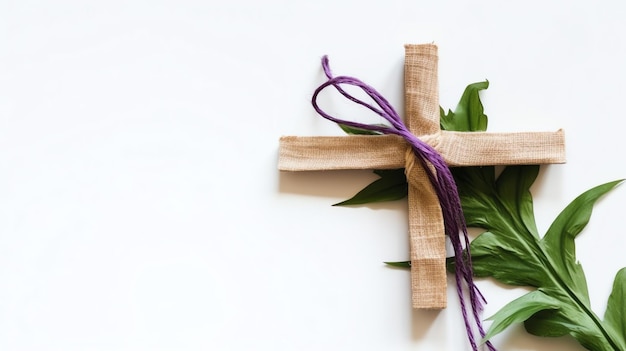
(520,310)
(400,264)
(391,186)
(469,114)
(614,316)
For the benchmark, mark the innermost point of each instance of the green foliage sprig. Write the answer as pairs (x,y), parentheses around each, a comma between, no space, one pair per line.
(511,250)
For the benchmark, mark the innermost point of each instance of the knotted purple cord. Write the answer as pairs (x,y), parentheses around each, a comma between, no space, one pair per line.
(442,181)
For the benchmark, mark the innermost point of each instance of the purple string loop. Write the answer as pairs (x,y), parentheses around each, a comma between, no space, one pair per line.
(441,179)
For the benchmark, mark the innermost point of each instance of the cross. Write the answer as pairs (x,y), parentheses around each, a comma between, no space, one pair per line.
(426,228)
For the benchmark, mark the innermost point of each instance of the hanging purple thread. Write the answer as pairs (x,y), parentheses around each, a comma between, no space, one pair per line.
(442,181)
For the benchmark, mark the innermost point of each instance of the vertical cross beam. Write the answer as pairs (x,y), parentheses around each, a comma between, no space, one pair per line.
(426,226)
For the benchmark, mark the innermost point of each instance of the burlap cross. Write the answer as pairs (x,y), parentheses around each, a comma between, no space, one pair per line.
(426,229)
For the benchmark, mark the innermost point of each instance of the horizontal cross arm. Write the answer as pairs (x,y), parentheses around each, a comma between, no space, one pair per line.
(341,152)
(388,151)
(490,149)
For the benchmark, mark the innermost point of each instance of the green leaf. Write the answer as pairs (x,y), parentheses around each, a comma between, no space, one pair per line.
(468,115)
(494,256)
(359,131)
(513,186)
(512,253)
(391,186)
(547,323)
(569,319)
(615,315)
(400,264)
(476,186)
(519,310)
(559,243)
(573,219)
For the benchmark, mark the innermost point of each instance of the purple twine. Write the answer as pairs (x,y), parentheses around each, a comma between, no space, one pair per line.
(442,181)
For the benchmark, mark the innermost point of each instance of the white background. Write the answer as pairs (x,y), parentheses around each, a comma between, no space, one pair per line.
(141,207)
